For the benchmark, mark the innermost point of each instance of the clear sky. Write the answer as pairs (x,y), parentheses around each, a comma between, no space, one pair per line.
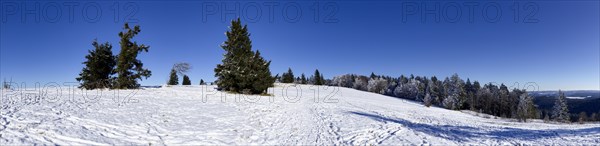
(552,43)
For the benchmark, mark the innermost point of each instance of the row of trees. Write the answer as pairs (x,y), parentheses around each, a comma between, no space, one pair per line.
(174,79)
(180,69)
(316,79)
(583,117)
(451,93)
(101,65)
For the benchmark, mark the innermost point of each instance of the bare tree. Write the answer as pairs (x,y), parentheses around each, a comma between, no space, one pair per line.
(182,67)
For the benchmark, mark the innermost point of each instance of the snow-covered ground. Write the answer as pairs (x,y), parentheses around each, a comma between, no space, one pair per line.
(178,115)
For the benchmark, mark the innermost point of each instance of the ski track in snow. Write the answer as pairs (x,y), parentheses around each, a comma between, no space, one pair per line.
(176,115)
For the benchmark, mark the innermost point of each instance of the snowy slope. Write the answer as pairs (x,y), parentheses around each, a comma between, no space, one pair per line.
(178,115)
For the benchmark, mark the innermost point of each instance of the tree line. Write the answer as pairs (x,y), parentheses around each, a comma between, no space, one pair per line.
(244,70)
(316,79)
(456,94)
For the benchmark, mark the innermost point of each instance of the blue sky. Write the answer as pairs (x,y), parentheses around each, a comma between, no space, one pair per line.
(552,43)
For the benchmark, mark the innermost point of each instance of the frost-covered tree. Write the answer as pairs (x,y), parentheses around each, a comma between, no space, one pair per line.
(594,117)
(436,90)
(427,100)
(99,68)
(456,90)
(525,107)
(186,80)
(475,100)
(392,84)
(242,70)
(378,85)
(129,68)
(361,83)
(451,102)
(408,90)
(173,78)
(417,88)
(344,80)
(560,112)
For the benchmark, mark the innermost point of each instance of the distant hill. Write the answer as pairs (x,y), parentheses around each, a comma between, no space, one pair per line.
(578,101)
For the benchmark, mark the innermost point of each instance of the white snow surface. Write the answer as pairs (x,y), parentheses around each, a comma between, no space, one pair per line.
(340,116)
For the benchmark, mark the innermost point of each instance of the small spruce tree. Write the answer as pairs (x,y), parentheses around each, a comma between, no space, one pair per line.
(186,80)
(318,79)
(560,111)
(288,77)
(202,82)
(303,79)
(173,78)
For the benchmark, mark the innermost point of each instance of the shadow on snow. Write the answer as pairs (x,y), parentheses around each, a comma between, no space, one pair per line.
(468,133)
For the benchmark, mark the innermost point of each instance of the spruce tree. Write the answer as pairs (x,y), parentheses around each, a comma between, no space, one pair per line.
(173,78)
(186,80)
(303,79)
(202,82)
(288,77)
(129,68)
(560,111)
(99,67)
(373,76)
(318,78)
(242,70)
(262,78)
